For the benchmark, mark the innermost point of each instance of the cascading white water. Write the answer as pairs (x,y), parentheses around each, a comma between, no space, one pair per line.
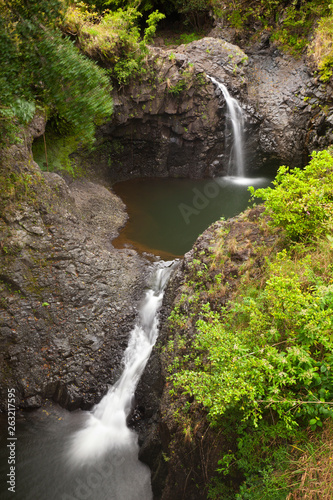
(236,158)
(106,427)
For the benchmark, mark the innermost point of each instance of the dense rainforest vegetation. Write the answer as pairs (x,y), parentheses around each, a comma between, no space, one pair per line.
(261,365)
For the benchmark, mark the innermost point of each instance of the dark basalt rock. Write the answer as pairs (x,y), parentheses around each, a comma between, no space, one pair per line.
(172,122)
(68,297)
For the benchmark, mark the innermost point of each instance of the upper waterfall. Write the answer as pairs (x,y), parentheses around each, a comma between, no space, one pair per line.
(235,115)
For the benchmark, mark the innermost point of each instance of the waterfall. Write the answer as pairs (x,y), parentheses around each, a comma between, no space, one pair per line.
(106,427)
(236,159)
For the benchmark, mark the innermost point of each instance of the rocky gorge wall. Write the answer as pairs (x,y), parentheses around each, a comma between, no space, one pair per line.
(171,121)
(68,299)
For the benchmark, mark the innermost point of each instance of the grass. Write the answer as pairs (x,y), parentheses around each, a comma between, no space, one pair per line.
(312,471)
(182,38)
(321,48)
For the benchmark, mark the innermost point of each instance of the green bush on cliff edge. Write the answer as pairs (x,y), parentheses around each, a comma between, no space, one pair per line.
(301,200)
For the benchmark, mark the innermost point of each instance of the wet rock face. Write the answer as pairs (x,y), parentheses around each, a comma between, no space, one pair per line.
(68,299)
(296,107)
(173,121)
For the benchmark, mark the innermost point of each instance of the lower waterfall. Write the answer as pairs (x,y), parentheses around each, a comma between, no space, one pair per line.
(105,433)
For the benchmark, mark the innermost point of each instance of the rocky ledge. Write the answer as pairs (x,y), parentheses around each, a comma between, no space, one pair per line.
(68,299)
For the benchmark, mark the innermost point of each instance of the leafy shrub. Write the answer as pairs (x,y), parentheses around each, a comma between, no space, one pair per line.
(74,87)
(274,352)
(296,25)
(39,65)
(114,39)
(178,88)
(301,200)
(261,366)
(262,370)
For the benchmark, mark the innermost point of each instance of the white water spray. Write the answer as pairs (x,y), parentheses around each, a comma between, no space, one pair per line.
(237,121)
(106,427)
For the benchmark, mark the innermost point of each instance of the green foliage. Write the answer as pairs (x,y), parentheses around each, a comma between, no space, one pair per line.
(289,22)
(321,49)
(189,37)
(178,88)
(114,39)
(263,368)
(23,110)
(75,88)
(271,352)
(143,6)
(186,81)
(236,19)
(261,365)
(293,33)
(58,150)
(301,200)
(152,21)
(183,38)
(195,11)
(40,65)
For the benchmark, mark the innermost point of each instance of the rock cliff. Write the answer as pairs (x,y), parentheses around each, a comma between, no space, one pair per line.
(68,299)
(171,122)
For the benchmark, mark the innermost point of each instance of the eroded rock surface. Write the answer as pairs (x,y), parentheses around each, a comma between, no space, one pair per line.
(297,109)
(68,299)
(172,122)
